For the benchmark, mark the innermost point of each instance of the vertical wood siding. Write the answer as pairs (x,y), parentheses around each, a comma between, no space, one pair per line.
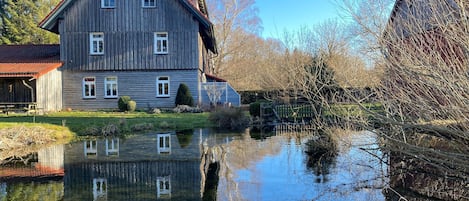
(129,36)
(140,86)
(49,91)
(13,90)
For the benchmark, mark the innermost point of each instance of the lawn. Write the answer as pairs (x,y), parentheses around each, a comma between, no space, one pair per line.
(92,123)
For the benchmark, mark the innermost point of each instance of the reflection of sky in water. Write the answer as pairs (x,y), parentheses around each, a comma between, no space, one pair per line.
(285,176)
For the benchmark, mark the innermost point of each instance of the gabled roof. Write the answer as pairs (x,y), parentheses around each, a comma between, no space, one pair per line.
(50,22)
(28,60)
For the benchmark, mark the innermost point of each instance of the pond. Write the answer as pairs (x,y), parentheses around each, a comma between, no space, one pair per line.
(198,165)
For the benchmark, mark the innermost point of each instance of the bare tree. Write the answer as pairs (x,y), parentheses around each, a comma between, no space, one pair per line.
(235,23)
(424,47)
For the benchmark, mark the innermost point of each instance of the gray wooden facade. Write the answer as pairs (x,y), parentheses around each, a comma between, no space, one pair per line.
(129,36)
(129,30)
(139,85)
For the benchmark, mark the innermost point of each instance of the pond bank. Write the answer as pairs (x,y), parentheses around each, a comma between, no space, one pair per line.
(16,138)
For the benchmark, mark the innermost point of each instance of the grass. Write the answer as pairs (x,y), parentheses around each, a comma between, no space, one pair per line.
(80,123)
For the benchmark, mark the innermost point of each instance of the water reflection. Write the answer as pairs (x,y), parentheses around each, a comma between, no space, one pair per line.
(164,143)
(90,148)
(200,164)
(112,146)
(99,189)
(275,169)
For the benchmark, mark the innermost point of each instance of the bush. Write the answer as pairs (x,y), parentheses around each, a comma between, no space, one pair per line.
(184,96)
(131,106)
(122,102)
(229,119)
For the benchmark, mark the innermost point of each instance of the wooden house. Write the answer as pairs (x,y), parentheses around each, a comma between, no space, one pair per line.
(425,45)
(29,74)
(426,32)
(139,48)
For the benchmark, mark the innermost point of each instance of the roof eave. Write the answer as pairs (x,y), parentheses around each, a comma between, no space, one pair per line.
(50,21)
(205,24)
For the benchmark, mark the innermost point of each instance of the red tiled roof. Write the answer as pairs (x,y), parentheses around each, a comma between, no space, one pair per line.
(28,60)
(34,70)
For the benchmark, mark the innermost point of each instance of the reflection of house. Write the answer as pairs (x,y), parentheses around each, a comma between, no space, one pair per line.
(99,189)
(146,166)
(137,170)
(164,143)
(112,146)
(47,162)
(163,186)
(90,148)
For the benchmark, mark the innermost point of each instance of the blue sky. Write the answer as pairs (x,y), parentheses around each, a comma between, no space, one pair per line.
(280,15)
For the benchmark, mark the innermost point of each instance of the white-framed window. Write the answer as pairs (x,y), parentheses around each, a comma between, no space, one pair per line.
(90,148)
(110,87)
(164,143)
(112,146)
(148,3)
(89,87)
(108,3)
(99,189)
(161,43)
(162,86)
(163,185)
(97,43)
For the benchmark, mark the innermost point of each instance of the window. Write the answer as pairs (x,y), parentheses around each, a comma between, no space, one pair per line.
(89,86)
(99,189)
(108,3)
(90,148)
(164,143)
(112,146)
(161,43)
(148,3)
(162,87)
(110,87)
(163,185)
(96,43)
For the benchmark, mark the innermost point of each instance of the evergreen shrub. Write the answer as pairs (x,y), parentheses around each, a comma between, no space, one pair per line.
(184,96)
(122,103)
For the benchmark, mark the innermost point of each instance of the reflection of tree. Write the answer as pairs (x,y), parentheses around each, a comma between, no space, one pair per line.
(236,155)
(322,151)
(185,137)
(50,191)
